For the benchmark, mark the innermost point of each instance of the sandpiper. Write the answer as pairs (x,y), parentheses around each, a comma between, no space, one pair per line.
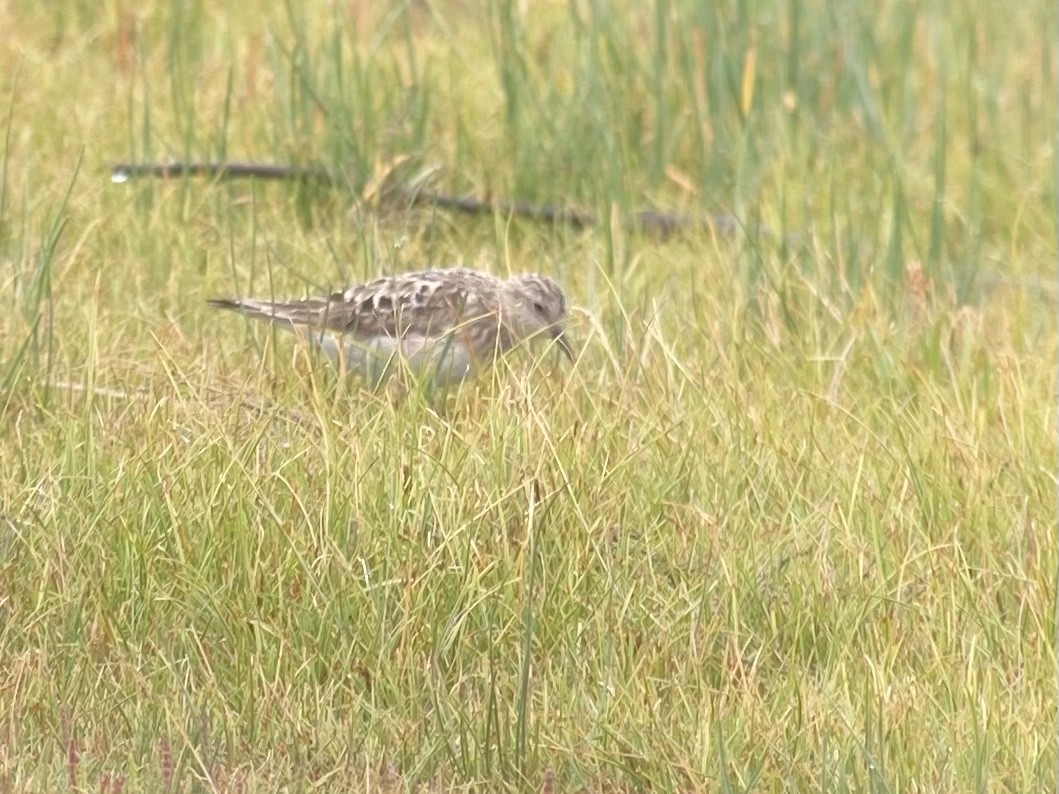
(446,324)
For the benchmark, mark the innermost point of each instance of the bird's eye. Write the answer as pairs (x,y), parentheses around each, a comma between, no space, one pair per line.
(539,308)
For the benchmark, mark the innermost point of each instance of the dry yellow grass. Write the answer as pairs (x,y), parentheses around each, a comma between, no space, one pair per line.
(788,525)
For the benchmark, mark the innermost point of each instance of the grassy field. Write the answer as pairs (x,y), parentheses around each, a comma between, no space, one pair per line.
(789,524)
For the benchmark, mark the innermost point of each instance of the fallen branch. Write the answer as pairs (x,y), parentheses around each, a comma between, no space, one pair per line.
(123,172)
(661,223)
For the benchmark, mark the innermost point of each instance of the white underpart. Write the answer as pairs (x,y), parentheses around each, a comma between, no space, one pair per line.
(445,360)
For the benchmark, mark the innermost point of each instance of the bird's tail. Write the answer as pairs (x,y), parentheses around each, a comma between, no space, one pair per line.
(308,313)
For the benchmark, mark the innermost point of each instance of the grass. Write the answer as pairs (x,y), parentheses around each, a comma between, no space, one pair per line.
(789,524)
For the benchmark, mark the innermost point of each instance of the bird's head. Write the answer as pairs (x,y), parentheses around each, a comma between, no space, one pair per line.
(534,305)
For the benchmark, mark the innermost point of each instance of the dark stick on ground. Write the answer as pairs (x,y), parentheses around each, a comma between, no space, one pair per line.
(661,223)
(123,172)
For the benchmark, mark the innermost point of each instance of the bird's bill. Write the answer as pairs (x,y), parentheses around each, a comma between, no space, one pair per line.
(564,344)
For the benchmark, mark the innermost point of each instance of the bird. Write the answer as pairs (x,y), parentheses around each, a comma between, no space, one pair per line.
(446,324)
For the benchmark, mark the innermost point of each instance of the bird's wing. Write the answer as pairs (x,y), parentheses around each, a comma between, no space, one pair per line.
(424,304)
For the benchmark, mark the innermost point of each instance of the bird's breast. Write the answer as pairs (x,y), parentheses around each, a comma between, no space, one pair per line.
(444,360)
